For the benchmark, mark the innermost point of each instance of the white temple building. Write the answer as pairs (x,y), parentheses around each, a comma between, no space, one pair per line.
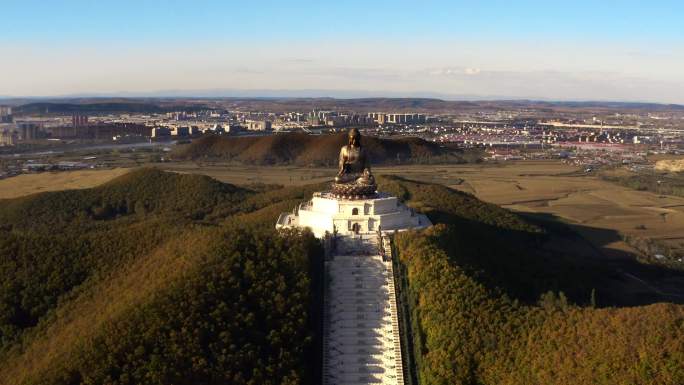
(326,213)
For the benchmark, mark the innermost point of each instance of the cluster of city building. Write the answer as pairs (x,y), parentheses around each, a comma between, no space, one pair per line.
(410,118)
(12,132)
(533,130)
(544,134)
(5,114)
(177,124)
(121,127)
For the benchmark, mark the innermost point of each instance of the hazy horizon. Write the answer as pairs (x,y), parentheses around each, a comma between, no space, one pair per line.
(580,51)
(313,94)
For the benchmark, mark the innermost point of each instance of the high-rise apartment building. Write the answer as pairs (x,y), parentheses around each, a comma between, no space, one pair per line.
(409,118)
(79,120)
(259,125)
(6,114)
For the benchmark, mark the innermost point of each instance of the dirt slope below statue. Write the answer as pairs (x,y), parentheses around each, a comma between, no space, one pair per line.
(318,150)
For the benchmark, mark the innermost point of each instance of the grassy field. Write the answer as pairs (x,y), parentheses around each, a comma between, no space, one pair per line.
(600,209)
(559,190)
(241,174)
(26,184)
(543,187)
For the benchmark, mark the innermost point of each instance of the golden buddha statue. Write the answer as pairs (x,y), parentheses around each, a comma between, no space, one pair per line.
(354,179)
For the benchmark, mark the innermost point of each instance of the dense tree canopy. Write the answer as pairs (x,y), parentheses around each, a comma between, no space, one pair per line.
(489,305)
(157,278)
(162,278)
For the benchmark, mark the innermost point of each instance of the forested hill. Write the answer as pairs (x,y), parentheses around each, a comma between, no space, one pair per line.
(316,150)
(157,278)
(163,278)
(493,300)
(138,192)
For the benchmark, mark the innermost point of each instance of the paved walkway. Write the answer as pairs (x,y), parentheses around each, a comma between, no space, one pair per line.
(361,335)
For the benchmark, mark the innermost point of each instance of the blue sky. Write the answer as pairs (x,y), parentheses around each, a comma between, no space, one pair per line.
(613,50)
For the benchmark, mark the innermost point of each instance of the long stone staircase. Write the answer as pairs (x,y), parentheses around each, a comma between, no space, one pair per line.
(361,331)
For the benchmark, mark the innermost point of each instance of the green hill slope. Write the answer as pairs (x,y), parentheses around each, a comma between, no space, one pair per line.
(160,278)
(490,304)
(168,287)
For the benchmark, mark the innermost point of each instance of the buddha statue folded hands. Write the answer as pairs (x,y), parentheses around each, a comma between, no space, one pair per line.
(354,179)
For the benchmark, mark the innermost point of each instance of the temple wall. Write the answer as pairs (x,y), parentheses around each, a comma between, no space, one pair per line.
(319,222)
(325,205)
(386,205)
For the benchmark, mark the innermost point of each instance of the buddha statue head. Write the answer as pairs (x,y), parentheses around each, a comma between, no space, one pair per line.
(354,137)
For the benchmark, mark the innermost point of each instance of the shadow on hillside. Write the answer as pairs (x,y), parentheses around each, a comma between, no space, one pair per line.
(574,259)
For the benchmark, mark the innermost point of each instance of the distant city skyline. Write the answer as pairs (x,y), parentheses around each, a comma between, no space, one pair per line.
(581,50)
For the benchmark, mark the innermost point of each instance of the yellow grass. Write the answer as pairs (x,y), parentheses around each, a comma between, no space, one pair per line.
(245,174)
(530,186)
(536,187)
(26,184)
(548,187)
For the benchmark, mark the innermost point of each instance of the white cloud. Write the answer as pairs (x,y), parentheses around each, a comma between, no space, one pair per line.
(454,71)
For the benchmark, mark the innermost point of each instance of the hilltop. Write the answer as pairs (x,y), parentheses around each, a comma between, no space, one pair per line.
(316,150)
(106,106)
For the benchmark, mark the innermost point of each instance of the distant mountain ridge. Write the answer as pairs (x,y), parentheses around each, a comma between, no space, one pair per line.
(283,103)
(338,94)
(103,107)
